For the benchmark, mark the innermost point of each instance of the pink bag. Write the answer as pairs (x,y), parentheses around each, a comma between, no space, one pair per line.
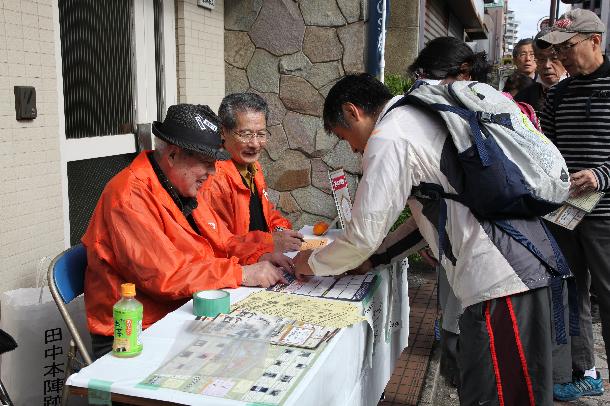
(526,109)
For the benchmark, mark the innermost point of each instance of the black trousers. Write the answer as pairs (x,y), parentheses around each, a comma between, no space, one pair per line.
(505,352)
(101,345)
(587,250)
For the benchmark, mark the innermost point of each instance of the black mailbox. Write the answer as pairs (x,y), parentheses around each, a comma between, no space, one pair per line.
(25,102)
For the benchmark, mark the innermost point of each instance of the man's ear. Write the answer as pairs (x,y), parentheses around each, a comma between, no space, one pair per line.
(172,152)
(464,71)
(597,40)
(351,112)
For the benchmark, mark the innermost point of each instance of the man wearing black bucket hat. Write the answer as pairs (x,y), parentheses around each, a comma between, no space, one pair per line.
(150,228)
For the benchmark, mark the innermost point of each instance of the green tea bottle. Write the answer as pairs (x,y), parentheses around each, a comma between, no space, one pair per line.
(127,314)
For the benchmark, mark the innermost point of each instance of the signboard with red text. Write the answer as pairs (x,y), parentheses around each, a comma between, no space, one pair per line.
(338,184)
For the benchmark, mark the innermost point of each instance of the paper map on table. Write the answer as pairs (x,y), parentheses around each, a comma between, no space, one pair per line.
(277,330)
(574,210)
(321,312)
(246,370)
(353,288)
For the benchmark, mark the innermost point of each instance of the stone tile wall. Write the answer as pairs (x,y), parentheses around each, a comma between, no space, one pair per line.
(200,50)
(402,36)
(292,52)
(31,216)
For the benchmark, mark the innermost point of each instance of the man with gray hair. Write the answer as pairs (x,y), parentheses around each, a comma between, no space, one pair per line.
(523,58)
(575,118)
(150,227)
(550,71)
(238,191)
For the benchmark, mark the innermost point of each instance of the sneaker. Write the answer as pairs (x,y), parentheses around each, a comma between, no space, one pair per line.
(585,386)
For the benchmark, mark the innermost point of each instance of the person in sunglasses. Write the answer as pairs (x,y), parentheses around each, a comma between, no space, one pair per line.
(238,191)
(575,117)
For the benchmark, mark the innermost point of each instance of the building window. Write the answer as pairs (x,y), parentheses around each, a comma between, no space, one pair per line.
(97,60)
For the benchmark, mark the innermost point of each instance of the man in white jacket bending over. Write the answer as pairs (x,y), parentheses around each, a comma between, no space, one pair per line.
(505,331)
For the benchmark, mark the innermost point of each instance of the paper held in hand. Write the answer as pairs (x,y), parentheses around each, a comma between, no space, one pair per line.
(574,210)
(313,243)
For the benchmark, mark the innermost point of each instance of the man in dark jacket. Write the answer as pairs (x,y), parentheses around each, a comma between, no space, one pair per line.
(575,118)
(550,71)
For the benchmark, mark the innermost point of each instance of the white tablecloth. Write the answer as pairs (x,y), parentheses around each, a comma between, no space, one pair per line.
(341,375)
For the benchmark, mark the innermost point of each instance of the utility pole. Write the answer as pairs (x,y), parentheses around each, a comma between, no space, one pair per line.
(553,12)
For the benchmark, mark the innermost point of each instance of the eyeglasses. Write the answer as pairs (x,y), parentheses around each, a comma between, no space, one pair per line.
(247,136)
(562,49)
(542,59)
(522,55)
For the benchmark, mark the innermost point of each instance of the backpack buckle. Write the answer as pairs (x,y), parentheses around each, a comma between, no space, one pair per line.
(485,116)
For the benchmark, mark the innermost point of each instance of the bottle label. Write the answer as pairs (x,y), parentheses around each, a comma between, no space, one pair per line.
(127,332)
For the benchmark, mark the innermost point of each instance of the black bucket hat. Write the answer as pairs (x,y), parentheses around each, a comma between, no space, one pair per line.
(192,127)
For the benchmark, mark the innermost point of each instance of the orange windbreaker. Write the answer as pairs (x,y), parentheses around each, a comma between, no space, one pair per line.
(138,234)
(230,199)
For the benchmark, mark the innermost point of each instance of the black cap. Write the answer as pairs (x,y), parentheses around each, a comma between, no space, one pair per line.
(192,127)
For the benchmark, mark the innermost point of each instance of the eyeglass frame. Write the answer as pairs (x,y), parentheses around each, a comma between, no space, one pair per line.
(526,54)
(554,58)
(254,135)
(563,49)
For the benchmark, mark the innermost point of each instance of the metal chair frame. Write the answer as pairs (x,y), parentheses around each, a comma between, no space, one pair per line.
(61,300)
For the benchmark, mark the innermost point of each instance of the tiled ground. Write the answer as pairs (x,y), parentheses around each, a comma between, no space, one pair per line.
(407,381)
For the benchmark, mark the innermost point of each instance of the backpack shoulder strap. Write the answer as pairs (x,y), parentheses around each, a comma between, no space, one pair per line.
(407,98)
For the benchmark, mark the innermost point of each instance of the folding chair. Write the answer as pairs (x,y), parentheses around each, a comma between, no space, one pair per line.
(66,278)
(7,343)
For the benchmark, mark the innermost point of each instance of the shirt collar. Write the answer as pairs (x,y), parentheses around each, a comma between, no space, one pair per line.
(602,71)
(247,173)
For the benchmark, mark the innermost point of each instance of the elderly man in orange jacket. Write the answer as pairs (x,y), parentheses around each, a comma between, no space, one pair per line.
(238,192)
(150,227)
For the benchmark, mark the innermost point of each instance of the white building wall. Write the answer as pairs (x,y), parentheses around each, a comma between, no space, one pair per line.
(31,217)
(200,43)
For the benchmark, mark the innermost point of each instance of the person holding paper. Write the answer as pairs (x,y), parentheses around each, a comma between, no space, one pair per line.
(151,228)
(238,191)
(575,117)
(505,329)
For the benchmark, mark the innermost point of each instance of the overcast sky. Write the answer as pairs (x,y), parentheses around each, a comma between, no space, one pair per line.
(529,12)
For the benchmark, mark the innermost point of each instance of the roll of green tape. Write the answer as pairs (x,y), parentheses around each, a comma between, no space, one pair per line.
(210,303)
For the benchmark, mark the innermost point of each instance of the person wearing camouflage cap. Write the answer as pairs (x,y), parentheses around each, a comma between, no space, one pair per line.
(575,117)
(150,227)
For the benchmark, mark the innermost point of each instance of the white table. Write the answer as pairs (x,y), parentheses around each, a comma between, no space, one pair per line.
(341,375)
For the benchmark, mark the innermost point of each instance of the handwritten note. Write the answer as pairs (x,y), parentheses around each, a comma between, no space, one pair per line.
(327,313)
(312,243)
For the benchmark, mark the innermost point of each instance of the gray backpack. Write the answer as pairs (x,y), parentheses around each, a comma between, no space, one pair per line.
(511,169)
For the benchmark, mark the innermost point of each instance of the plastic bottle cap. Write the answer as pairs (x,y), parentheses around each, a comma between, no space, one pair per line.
(128,289)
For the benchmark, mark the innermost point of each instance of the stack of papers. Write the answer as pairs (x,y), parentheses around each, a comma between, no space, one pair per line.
(276,330)
(353,288)
(574,210)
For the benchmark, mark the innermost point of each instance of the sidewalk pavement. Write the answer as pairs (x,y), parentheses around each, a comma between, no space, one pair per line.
(416,379)
(437,391)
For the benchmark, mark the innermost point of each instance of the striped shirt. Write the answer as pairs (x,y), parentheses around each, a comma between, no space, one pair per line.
(580,127)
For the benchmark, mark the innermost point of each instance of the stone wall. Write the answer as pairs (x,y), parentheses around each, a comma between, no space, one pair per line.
(31,216)
(291,53)
(402,36)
